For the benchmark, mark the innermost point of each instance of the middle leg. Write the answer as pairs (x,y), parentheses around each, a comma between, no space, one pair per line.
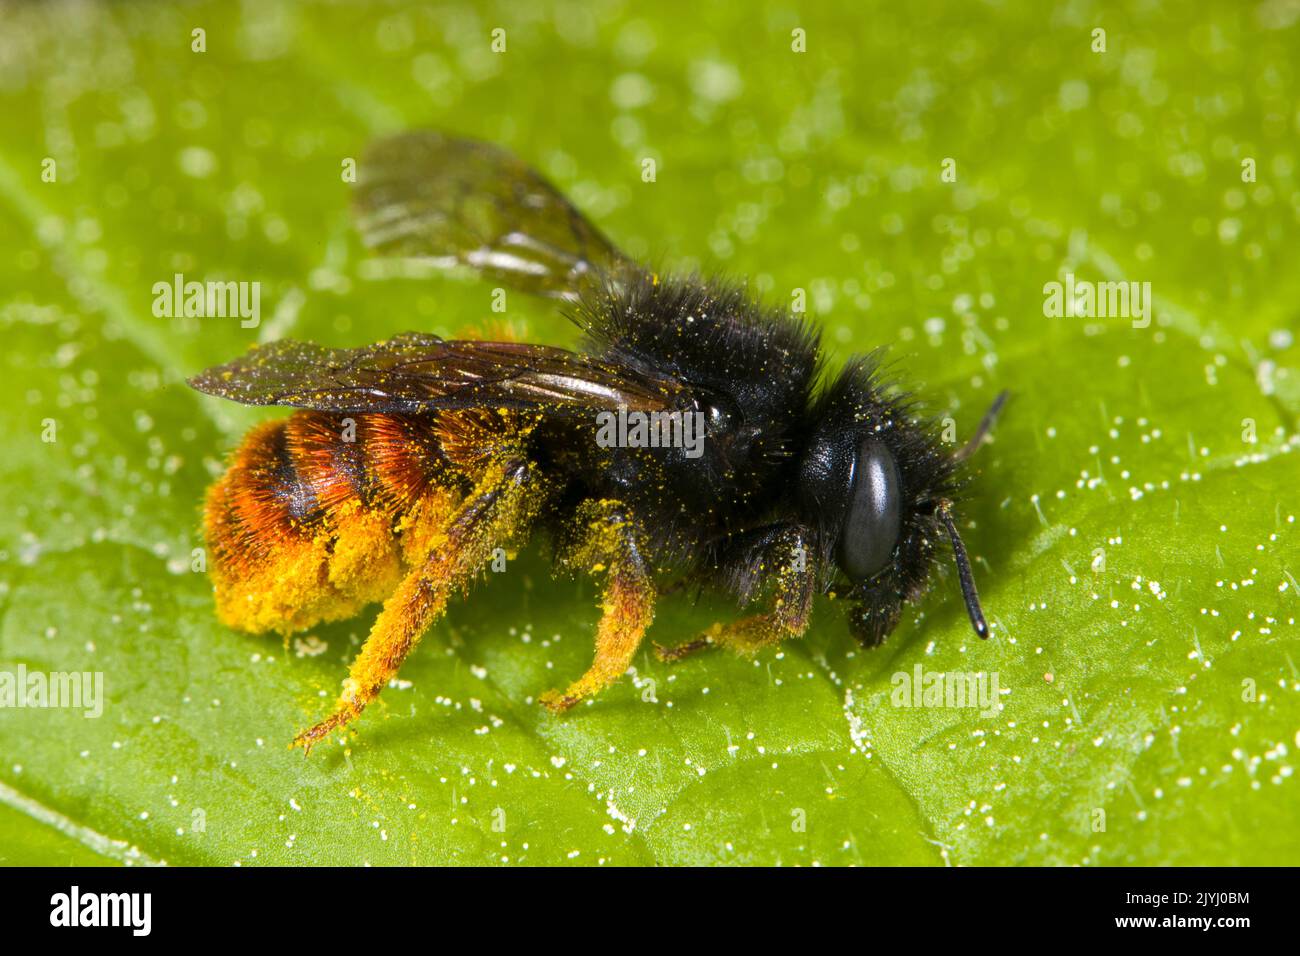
(606,541)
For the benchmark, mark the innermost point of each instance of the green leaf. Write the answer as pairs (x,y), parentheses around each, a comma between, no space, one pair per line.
(1133,523)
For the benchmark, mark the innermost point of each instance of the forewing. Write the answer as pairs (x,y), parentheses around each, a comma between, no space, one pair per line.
(416,372)
(461,203)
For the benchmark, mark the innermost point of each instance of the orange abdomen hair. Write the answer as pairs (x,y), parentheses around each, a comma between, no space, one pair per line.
(319,515)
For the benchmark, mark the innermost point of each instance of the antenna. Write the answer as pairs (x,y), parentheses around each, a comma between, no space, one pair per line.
(985,426)
(967,580)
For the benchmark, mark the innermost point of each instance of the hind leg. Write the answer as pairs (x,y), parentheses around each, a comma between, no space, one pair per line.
(502,503)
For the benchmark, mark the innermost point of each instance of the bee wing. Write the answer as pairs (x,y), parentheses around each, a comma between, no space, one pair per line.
(461,203)
(416,372)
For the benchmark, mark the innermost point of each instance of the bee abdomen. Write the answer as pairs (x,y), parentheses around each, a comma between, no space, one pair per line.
(328,460)
(261,498)
(307,524)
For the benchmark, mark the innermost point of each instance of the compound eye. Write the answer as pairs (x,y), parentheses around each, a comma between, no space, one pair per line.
(871,525)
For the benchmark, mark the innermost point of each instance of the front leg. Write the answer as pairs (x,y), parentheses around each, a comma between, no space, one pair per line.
(785,559)
(606,541)
(875,615)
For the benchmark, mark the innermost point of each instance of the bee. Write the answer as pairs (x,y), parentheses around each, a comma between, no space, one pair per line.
(410,462)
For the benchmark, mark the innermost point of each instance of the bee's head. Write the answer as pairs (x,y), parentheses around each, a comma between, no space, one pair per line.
(878,486)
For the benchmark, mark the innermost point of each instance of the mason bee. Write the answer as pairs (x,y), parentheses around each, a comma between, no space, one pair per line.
(412,460)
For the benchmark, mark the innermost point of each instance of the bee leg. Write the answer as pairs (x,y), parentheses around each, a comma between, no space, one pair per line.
(875,615)
(786,556)
(681,651)
(499,506)
(607,542)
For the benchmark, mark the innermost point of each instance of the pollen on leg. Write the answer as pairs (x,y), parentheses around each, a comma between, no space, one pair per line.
(787,614)
(420,529)
(627,610)
(502,505)
(607,544)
